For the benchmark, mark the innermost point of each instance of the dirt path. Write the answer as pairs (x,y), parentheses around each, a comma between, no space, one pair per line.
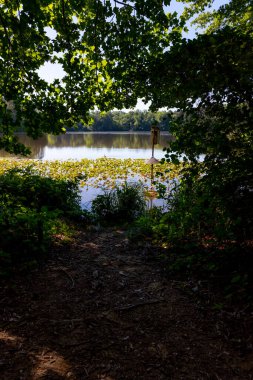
(102,310)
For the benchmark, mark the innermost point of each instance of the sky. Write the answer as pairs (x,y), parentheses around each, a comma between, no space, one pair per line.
(50,71)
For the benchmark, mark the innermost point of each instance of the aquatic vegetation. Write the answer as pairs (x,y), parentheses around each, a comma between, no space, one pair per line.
(102,172)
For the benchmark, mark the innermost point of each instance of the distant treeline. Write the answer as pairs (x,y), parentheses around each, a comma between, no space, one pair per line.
(125,121)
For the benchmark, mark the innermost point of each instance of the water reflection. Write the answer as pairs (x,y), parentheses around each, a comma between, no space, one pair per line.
(92,145)
(37,146)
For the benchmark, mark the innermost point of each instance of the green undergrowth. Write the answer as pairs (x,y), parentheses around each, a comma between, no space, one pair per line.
(33,210)
(225,266)
(203,236)
(120,205)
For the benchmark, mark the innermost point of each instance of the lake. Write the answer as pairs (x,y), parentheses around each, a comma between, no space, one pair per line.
(94,145)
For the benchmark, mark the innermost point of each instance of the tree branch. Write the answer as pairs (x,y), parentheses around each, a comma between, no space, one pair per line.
(122,3)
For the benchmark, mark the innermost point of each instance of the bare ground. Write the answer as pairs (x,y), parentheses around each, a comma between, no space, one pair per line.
(101,309)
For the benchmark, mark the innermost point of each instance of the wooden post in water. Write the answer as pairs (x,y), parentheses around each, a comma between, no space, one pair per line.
(155,136)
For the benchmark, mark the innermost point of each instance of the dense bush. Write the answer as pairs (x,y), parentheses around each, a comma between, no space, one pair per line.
(208,227)
(36,191)
(30,208)
(122,204)
(218,205)
(144,226)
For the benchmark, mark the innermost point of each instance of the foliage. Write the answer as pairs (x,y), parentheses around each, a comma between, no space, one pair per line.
(122,204)
(30,210)
(200,239)
(37,191)
(198,208)
(102,172)
(90,41)
(124,121)
(211,86)
(144,226)
(236,14)
(224,267)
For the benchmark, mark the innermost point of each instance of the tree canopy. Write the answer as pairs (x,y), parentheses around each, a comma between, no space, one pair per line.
(104,47)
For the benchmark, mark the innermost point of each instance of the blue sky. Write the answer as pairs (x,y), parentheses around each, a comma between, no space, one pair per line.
(50,71)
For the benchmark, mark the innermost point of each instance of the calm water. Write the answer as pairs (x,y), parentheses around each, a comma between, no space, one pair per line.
(94,145)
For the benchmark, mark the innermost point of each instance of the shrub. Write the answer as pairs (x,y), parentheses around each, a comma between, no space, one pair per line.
(36,191)
(144,226)
(207,229)
(30,207)
(122,204)
(203,205)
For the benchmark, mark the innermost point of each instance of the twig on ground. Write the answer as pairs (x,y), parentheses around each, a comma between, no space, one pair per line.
(142,303)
